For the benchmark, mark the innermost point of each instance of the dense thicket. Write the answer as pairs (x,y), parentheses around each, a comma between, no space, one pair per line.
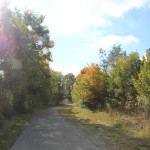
(56,88)
(69,80)
(26,81)
(124,82)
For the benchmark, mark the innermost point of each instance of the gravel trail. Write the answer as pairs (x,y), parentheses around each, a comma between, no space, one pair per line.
(50,131)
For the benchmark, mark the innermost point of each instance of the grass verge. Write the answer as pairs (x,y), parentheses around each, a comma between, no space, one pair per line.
(11,129)
(128,132)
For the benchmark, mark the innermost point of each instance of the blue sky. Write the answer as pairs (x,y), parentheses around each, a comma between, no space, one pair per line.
(80,27)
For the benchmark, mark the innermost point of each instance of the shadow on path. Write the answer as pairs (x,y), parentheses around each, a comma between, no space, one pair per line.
(50,131)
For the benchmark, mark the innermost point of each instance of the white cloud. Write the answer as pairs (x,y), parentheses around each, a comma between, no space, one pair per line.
(75,16)
(117,8)
(22,4)
(108,41)
(65,70)
(92,49)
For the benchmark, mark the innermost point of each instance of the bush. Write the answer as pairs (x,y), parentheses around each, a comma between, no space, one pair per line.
(89,88)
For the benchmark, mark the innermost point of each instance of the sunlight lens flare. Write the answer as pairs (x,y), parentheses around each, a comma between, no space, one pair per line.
(1,3)
(29,28)
(40,43)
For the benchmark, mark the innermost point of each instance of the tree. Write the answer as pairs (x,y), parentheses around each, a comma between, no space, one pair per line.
(69,80)
(142,83)
(120,84)
(109,59)
(24,58)
(7,53)
(35,60)
(56,88)
(89,88)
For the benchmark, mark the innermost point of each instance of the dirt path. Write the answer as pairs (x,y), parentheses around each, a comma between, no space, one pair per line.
(50,131)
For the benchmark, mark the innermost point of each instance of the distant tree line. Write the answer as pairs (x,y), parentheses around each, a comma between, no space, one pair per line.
(69,80)
(120,81)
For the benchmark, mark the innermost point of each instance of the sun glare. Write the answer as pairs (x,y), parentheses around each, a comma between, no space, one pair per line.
(1,4)
(29,28)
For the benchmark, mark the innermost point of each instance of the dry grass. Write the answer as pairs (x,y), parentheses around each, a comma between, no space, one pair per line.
(128,132)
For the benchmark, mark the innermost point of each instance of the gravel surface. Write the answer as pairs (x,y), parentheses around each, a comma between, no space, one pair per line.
(50,131)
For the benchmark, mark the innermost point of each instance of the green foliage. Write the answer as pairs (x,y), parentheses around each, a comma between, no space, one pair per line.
(31,91)
(109,59)
(56,88)
(69,80)
(120,84)
(142,84)
(26,81)
(125,81)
